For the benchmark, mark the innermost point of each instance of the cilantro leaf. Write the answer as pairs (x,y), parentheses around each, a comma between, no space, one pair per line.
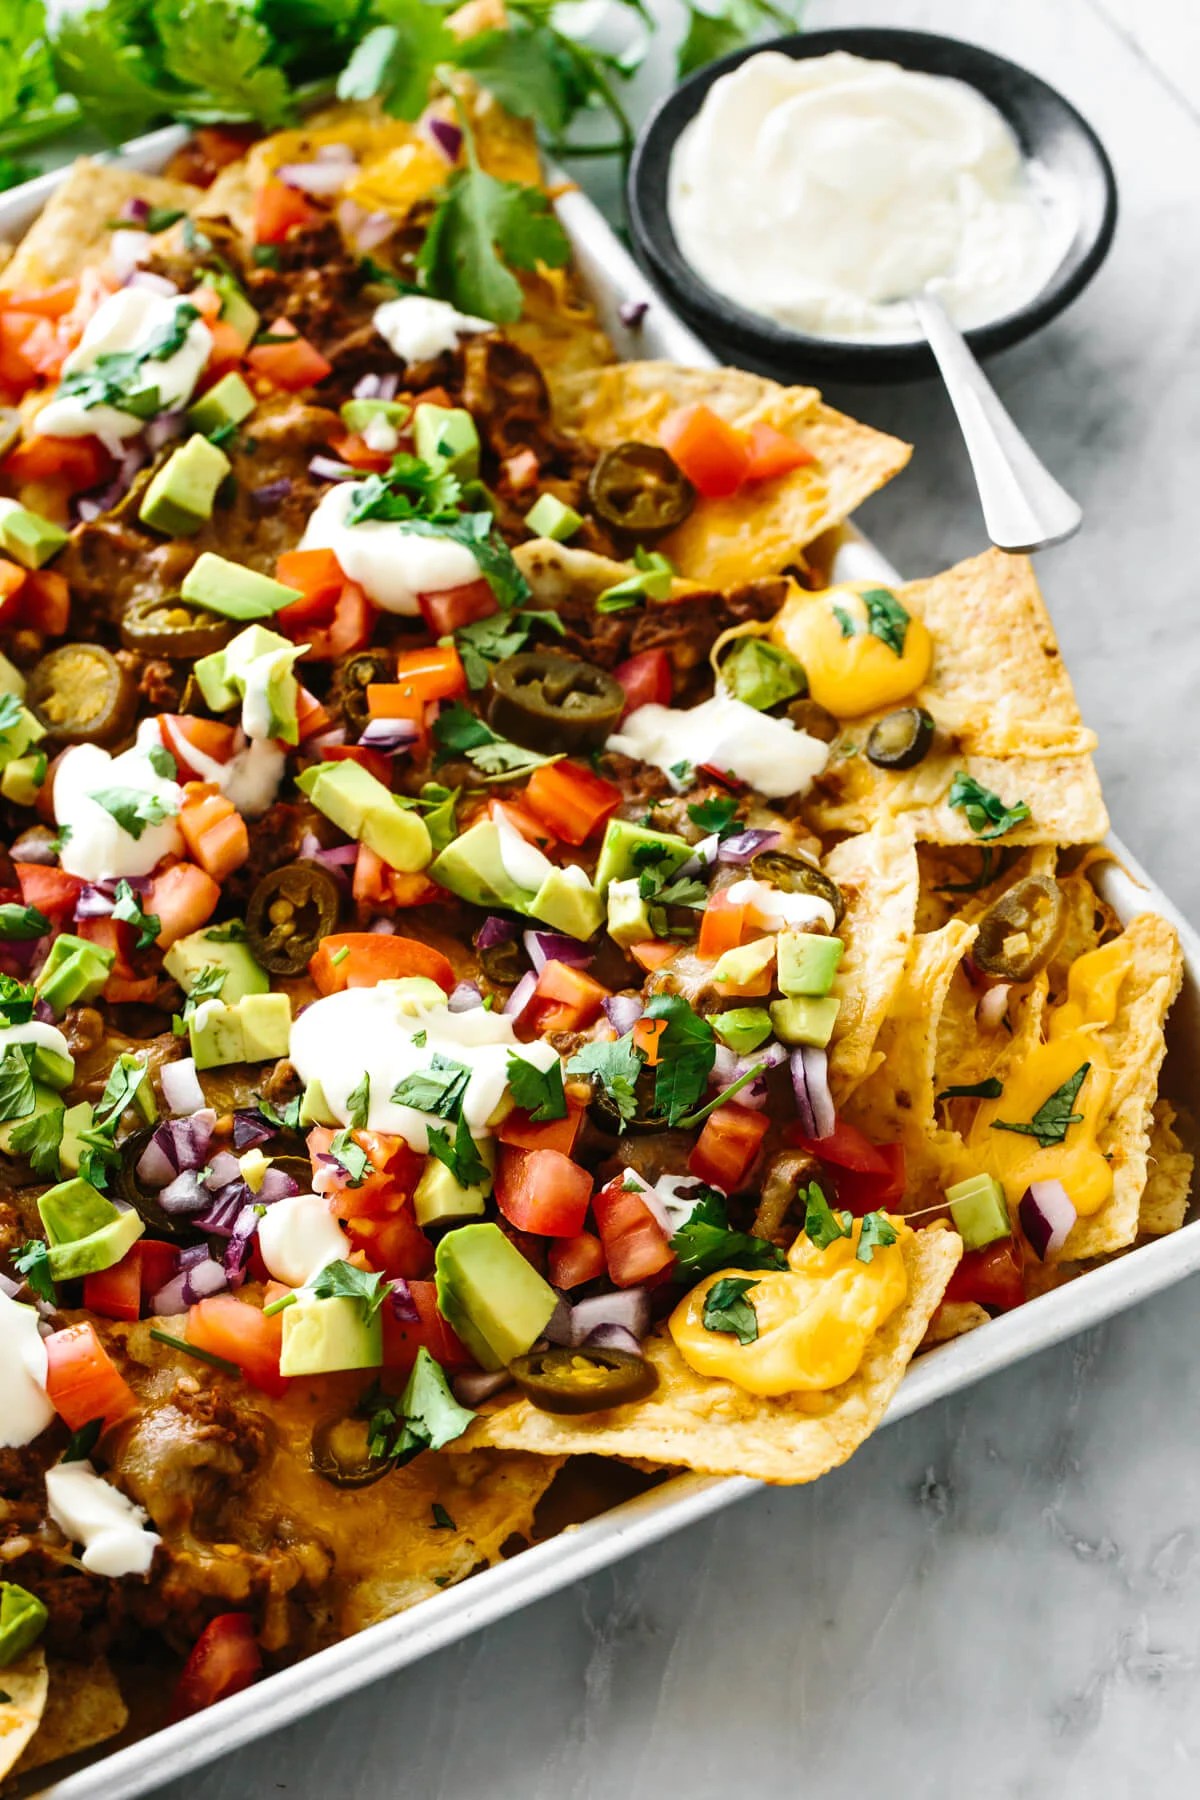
(132,808)
(539,1092)
(16,1000)
(495,559)
(687,1051)
(232,932)
(411,489)
(716,815)
(427,1414)
(344,1281)
(457,731)
(1053,1117)
(530,71)
(125,1078)
(439,1089)
(21,924)
(459,1154)
(876,1232)
(112,79)
(81,1443)
(351,1158)
(822,1225)
(487,641)
(616,1066)
(32,1261)
(209,981)
(701,1113)
(161,760)
(991,1089)
(704,1242)
(128,908)
(441,1518)
(358,1103)
(38,1139)
(887,619)
(481,230)
(985,812)
(17,1098)
(220,54)
(397,61)
(727,1309)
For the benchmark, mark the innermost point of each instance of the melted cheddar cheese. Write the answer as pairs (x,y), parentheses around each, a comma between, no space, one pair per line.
(851,672)
(815,1319)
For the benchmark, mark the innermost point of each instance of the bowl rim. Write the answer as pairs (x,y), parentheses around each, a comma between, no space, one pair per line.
(749,333)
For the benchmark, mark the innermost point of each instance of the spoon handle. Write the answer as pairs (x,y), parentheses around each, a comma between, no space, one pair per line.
(1024,508)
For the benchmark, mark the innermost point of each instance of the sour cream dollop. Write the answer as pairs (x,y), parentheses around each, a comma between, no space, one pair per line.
(298,1236)
(25,1411)
(417,329)
(97,847)
(767,753)
(823,192)
(129,321)
(391,564)
(105,1522)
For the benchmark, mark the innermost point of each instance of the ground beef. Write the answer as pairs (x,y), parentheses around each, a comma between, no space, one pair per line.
(275,839)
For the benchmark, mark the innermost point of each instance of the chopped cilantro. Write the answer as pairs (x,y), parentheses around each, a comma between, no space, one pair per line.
(441,1518)
(876,1232)
(128,908)
(21,924)
(538,1091)
(37,1139)
(343,1281)
(410,490)
(350,1157)
(822,1225)
(616,1066)
(459,1154)
(886,618)
(163,763)
(1050,1123)
(985,812)
(716,815)
(487,641)
(439,1089)
(81,1443)
(132,808)
(686,1051)
(17,1098)
(727,1309)
(426,1417)
(232,932)
(991,1089)
(458,731)
(358,1103)
(704,1243)
(32,1261)
(16,1001)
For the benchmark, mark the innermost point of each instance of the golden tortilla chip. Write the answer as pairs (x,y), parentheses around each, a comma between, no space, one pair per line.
(953,1319)
(877,873)
(1164,1201)
(84,1707)
(24,1685)
(717,1427)
(761,529)
(72,232)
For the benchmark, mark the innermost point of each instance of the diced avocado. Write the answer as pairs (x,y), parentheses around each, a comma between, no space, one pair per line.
(210,678)
(472,867)
(20,737)
(51,1069)
(86,1232)
(226,403)
(979,1210)
(315,1108)
(21,780)
(27,537)
(215,1035)
(11,679)
(236,309)
(746,970)
(628,913)
(321,1335)
(567,905)
(143,1095)
(651,580)
(266,1026)
(550,517)
(22,1621)
(179,499)
(445,437)
(415,994)
(45,1100)
(760,674)
(76,1120)
(358,414)
(439,1198)
(629,849)
(362,807)
(496,1301)
(103,1248)
(249,647)
(742,1028)
(74,972)
(805,1021)
(807,962)
(189,955)
(227,588)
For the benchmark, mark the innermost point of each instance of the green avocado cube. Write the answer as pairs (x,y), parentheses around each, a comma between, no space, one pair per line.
(179,499)
(19,737)
(218,693)
(225,587)
(742,1028)
(445,437)
(979,1210)
(807,962)
(802,1020)
(11,679)
(22,1621)
(550,517)
(74,972)
(630,849)
(48,1067)
(438,1198)
(357,415)
(651,580)
(226,403)
(487,1292)
(413,994)
(760,674)
(323,1335)
(746,966)
(215,1035)
(628,914)
(21,780)
(567,906)
(358,804)
(27,537)
(315,1108)
(100,1250)
(76,1120)
(266,1026)
(472,867)
(74,1209)
(198,950)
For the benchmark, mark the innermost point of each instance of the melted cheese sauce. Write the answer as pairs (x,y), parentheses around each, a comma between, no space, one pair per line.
(851,672)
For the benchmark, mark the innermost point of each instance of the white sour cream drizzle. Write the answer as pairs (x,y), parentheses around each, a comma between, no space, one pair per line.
(298,1236)
(126,321)
(391,564)
(25,1411)
(35,1031)
(822,192)
(337,1039)
(767,753)
(103,1520)
(777,910)
(97,848)
(417,329)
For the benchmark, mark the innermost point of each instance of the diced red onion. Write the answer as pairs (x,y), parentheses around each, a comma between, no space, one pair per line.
(207,1277)
(633,312)
(129,462)
(404,1307)
(366,230)
(992,1007)
(250,1128)
(327,468)
(542,947)
(390,734)
(186,1194)
(264,498)
(747,844)
(473,1386)
(185,1142)
(1047,1214)
(324,176)
(237,1250)
(312,850)
(810,1084)
(32,847)
(126,249)
(559,1328)
(222,1170)
(332,739)
(702,860)
(465,998)
(170,1298)
(629,1309)
(521,995)
(181,1090)
(43,1012)
(494,931)
(154,1166)
(10,1287)
(276,1184)
(366,387)
(193,1254)
(623,1012)
(443,134)
(612,1337)
(163,430)
(153,283)
(973,972)
(224,1207)
(135,208)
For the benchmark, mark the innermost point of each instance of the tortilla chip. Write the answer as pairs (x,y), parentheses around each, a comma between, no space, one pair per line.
(953,1318)
(84,1707)
(72,231)
(24,1684)
(1165,1198)
(759,530)
(878,875)
(714,1426)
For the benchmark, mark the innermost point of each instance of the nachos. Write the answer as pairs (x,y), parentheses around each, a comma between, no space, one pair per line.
(499,959)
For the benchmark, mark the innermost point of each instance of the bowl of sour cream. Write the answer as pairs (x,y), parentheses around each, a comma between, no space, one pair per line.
(791,198)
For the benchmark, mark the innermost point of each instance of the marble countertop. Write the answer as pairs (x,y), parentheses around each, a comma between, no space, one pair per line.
(1001,1595)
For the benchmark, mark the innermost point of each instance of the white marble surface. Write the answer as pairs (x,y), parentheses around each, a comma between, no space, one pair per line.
(1001,1596)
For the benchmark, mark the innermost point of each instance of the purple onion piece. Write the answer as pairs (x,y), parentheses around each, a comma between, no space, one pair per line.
(263,498)
(237,1250)
(389,385)
(9,1287)
(324,177)
(181,1090)
(494,931)
(221,1171)
(1047,1214)
(43,1012)
(623,1012)
(154,1166)
(94,903)
(162,430)
(250,1128)
(135,209)
(207,1277)
(465,997)
(629,1309)
(612,1337)
(404,1307)
(702,861)
(186,1141)
(521,995)
(276,1184)
(311,850)
(223,1208)
(185,1195)
(327,468)
(633,312)
(170,1298)
(473,1386)
(192,1254)
(747,844)
(374,229)
(390,734)
(810,1085)
(445,135)
(558,1328)
(367,387)
(542,947)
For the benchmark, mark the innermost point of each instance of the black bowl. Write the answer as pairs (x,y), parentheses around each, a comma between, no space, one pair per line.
(1046,126)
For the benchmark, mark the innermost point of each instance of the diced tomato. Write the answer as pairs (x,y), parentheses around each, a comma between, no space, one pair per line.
(521,469)
(119,1292)
(209,150)
(349,629)
(564,999)
(384,889)
(435,673)
(991,1277)
(430,1330)
(721,925)
(574,802)
(311,716)
(158,1262)
(292,365)
(51,890)
(647,680)
(317,577)
(234,1329)
(378,1213)
(713,454)
(846,1148)
(727,1148)
(773,453)
(213,830)
(373,957)
(50,302)
(82,1381)
(228,348)
(46,602)
(449,608)
(352,448)
(377,762)
(393,1242)
(524,1133)
(224,1659)
(531,1247)
(183,733)
(12,580)
(26,344)
(652,953)
(280,210)
(635,1245)
(542,1191)
(862,1193)
(79,463)
(574,1260)
(182,898)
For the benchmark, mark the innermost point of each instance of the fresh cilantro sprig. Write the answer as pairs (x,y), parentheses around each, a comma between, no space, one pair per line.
(17,1098)
(350,1157)
(128,908)
(133,808)
(32,1261)
(726,1308)
(487,641)
(38,1139)
(705,1243)
(426,1417)
(411,489)
(539,1092)
(457,731)
(615,1066)
(823,1226)
(1053,1118)
(985,812)
(344,1281)
(459,1153)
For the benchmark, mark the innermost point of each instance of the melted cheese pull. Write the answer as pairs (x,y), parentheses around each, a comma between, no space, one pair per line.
(815,1319)
(851,670)
(1015,1159)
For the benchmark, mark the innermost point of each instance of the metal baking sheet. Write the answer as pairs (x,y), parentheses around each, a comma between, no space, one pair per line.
(616,282)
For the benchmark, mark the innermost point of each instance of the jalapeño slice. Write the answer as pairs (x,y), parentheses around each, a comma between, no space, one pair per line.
(638,490)
(170,627)
(553,702)
(584,1380)
(340,1453)
(1019,932)
(82,695)
(290,911)
(792,875)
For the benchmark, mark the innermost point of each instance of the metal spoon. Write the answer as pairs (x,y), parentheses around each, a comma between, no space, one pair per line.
(1024,508)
